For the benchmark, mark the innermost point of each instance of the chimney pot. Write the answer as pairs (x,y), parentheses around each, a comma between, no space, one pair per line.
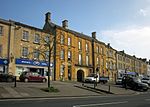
(48,17)
(94,35)
(65,24)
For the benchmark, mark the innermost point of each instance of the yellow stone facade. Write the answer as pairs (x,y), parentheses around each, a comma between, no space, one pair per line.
(74,55)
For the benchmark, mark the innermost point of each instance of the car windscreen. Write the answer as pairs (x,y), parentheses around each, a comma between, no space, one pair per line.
(91,75)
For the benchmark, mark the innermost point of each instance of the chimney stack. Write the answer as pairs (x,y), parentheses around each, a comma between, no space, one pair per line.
(94,35)
(65,24)
(48,17)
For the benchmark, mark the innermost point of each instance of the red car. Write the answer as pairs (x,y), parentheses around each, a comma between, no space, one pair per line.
(32,76)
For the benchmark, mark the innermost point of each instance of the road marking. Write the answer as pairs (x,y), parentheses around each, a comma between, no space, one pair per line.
(147,99)
(101,104)
(54,98)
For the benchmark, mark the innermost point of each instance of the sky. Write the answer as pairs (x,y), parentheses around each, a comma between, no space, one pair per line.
(125,24)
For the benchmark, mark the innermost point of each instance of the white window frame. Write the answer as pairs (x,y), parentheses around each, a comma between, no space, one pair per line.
(79,45)
(69,55)
(80,59)
(24,52)
(87,60)
(37,38)
(25,35)
(69,41)
(62,53)
(97,60)
(86,47)
(62,39)
(36,54)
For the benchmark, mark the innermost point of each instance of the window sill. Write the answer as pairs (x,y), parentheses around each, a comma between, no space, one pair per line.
(36,43)
(24,40)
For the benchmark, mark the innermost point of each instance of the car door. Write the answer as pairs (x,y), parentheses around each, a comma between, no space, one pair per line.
(31,76)
(36,77)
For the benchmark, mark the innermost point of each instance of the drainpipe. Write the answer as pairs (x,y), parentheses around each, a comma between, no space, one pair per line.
(55,53)
(8,48)
(93,56)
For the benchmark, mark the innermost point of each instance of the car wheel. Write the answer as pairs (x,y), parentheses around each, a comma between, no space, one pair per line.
(26,80)
(43,80)
(9,80)
(145,89)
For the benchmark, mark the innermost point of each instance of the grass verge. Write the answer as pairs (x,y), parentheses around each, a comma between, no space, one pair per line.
(50,89)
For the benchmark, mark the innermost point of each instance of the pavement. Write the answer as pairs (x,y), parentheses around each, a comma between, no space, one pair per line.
(66,89)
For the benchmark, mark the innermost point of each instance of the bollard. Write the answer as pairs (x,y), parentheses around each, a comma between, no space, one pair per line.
(15,82)
(94,84)
(109,88)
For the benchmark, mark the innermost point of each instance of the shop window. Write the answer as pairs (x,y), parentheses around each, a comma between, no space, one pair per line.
(25,35)
(24,52)
(1,30)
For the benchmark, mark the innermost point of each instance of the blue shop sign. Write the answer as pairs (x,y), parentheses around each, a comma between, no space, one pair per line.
(32,62)
(3,61)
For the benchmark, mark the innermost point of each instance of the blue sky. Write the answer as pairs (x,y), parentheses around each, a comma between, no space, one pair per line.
(125,24)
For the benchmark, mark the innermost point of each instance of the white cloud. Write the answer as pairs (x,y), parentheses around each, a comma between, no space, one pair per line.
(143,12)
(134,40)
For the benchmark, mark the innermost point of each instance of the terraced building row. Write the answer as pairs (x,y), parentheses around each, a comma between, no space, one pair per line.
(74,54)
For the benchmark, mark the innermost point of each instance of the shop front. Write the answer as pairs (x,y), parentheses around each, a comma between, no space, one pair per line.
(41,67)
(3,65)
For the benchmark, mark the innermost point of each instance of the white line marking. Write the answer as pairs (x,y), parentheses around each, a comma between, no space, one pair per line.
(147,99)
(101,104)
(34,99)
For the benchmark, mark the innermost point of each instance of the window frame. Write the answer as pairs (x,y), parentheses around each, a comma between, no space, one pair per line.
(62,40)
(36,53)
(87,60)
(69,41)
(1,30)
(80,59)
(69,55)
(79,45)
(86,47)
(62,54)
(25,52)
(25,35)
(36,38)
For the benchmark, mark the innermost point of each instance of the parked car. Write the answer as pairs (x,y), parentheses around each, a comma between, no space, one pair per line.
(134,83)
(119,81)
(92,78)
(7,77)
(146,80)
(32,76)
(103,79)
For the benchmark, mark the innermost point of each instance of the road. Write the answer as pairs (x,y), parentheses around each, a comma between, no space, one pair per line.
(140,100)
